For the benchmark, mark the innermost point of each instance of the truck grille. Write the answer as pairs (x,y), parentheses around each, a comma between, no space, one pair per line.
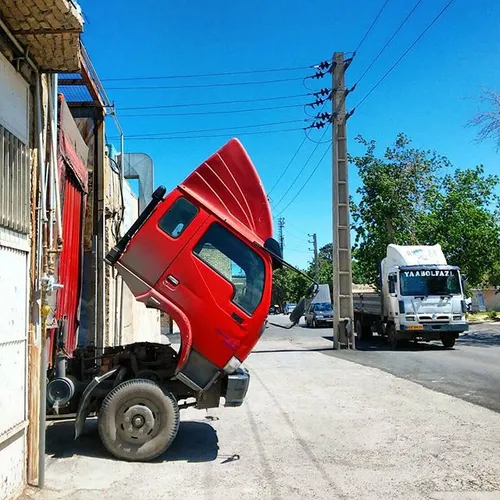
(423,318)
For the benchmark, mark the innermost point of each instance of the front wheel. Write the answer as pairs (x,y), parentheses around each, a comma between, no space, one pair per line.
(448,341)
(392,336)
(138,421)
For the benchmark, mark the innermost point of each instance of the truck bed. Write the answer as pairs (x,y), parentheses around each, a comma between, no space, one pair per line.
(367,303)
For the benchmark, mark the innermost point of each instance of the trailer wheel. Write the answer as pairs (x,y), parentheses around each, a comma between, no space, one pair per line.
(392,338)
(448,341)
(363,331)
(138,421)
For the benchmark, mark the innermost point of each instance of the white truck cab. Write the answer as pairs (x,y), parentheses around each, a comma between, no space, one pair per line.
(422,297)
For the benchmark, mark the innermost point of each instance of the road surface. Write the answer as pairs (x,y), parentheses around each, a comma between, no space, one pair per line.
(470,371)
(313,426)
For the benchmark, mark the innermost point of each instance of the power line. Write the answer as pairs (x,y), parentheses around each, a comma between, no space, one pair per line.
(214,129)
(203,75)
(215,103)
(371,26)
(382,50)
(303,167)
(306,137)
(207,85)
(262,132)
(217,112)
(443,10)
(288,166)
(308,179)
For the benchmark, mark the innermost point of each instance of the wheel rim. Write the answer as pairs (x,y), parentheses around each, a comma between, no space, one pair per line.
(138,421)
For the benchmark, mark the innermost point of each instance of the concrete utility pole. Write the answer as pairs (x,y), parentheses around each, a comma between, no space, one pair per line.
(316,260)
(281,225)
(343,331)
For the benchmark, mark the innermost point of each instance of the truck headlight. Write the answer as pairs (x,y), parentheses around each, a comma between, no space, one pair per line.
(410,318)
(232,365)
(457,317)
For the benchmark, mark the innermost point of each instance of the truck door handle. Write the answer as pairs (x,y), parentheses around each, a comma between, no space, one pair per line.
(237,318)
(173,280)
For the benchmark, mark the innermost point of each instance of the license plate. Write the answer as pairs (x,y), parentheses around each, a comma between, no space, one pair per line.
(414,327)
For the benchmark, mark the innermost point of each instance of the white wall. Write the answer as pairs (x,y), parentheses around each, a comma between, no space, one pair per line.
(138,324)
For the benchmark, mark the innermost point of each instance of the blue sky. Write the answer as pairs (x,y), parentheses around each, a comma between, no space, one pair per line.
(430,95)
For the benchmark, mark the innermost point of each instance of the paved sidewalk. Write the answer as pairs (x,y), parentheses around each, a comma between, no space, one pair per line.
(313,427)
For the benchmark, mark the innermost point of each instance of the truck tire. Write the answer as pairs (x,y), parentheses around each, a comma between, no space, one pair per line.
(392,338)
(138,420)
(448,341)
(363,331)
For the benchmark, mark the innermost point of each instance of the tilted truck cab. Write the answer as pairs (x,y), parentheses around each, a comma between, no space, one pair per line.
(204,254)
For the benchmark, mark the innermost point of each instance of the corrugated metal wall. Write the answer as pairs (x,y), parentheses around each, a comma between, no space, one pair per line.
(70,260)
(13,359)
(14,266)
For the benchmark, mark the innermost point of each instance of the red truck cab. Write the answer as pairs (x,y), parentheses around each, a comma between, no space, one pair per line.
(205,255)
(200,255)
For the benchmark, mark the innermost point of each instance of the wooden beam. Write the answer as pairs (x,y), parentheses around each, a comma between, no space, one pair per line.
(84,104)
(70,81)
(42,31)
(91,86)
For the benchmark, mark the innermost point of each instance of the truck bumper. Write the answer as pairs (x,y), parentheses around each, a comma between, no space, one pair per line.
(237,387)
(432,331)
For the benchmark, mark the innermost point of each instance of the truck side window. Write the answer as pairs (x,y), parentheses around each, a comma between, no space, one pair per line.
(178,217)
(236,262)
(392,283)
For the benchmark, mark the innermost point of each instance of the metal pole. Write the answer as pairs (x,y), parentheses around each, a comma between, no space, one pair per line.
(342,266)
(40,323)
(316,258)
(281,225)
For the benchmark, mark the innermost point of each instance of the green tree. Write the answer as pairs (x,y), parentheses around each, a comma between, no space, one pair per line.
(393,199)
(405,199)
(288,286)
(461,219)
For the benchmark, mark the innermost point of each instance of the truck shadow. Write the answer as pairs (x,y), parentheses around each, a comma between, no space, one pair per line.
(195,442)
(377,343)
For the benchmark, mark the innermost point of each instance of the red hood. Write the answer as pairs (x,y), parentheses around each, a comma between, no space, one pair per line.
(219,184)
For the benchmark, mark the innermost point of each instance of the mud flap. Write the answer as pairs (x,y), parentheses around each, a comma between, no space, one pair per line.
(83,406)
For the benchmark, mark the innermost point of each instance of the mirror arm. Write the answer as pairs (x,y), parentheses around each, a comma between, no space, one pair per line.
(282,326)
(286,264)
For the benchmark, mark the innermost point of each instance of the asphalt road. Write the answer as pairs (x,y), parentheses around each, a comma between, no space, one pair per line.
(470,371)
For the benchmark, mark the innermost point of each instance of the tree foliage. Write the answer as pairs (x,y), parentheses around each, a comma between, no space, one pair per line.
(488,120)
(288,286)
(406,199)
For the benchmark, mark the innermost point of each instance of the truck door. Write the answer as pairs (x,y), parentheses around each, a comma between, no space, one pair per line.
(162,238)
(223,279)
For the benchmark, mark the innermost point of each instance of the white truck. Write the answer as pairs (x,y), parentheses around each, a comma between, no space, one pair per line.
(421,298)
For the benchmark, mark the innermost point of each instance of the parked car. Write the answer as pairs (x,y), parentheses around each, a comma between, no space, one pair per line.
(289,307)
(319,313)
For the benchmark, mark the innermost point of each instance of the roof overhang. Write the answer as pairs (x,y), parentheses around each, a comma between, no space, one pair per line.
(49,30)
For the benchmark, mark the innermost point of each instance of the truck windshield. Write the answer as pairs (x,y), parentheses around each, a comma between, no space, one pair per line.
(423,282)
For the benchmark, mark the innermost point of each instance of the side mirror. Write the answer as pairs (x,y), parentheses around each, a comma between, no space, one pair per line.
(298,312)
